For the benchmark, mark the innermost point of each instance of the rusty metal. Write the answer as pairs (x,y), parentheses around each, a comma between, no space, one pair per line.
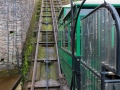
(55,26)
(36,53)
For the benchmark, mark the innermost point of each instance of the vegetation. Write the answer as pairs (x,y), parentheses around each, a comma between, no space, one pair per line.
(47,13)
(48,9)
(41,55)
(47,27)
(30,39)
(51,72)
(47,19)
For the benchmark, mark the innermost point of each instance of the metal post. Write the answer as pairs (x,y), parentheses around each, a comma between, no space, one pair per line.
(78,73)
(102,81)
(103,78)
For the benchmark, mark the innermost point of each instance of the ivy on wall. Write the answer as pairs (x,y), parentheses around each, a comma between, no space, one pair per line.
(30,39)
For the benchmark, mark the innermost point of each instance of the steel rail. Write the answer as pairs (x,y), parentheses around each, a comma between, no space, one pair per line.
(36,52)
(55,28)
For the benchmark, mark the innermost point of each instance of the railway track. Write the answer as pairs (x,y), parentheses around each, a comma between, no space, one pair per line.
(46,70)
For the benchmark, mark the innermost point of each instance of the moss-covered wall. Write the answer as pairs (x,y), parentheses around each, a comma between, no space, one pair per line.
(29,46)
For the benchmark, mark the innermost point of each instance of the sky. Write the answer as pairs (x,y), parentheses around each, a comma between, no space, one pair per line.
(109,1)
(97,2)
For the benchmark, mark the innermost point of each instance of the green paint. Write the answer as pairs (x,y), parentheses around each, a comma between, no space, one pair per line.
(62,36)
(89,80)
(69,38)
(64,12)
(66,64)
(95,5)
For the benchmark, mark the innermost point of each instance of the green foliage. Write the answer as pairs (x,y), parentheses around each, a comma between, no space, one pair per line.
(47,13)
(47,27)
(47,19)
(48,9)
(26,63)
(37,17)
(28,49)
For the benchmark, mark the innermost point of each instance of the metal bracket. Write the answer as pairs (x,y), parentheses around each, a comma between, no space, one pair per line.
(78,72)
(47,61)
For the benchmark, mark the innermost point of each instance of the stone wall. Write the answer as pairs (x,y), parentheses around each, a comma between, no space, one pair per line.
(15,16)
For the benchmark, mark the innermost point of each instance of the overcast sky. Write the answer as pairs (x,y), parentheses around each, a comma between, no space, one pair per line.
(96,2)
(109,1)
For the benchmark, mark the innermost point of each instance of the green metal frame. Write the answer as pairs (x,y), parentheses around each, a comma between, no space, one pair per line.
(65,53)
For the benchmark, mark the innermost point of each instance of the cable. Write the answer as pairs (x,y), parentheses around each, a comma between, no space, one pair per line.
(73,28)
(47,70)
(73,75)
(47,59)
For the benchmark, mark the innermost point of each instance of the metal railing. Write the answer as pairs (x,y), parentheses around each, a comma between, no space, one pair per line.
(100,37)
